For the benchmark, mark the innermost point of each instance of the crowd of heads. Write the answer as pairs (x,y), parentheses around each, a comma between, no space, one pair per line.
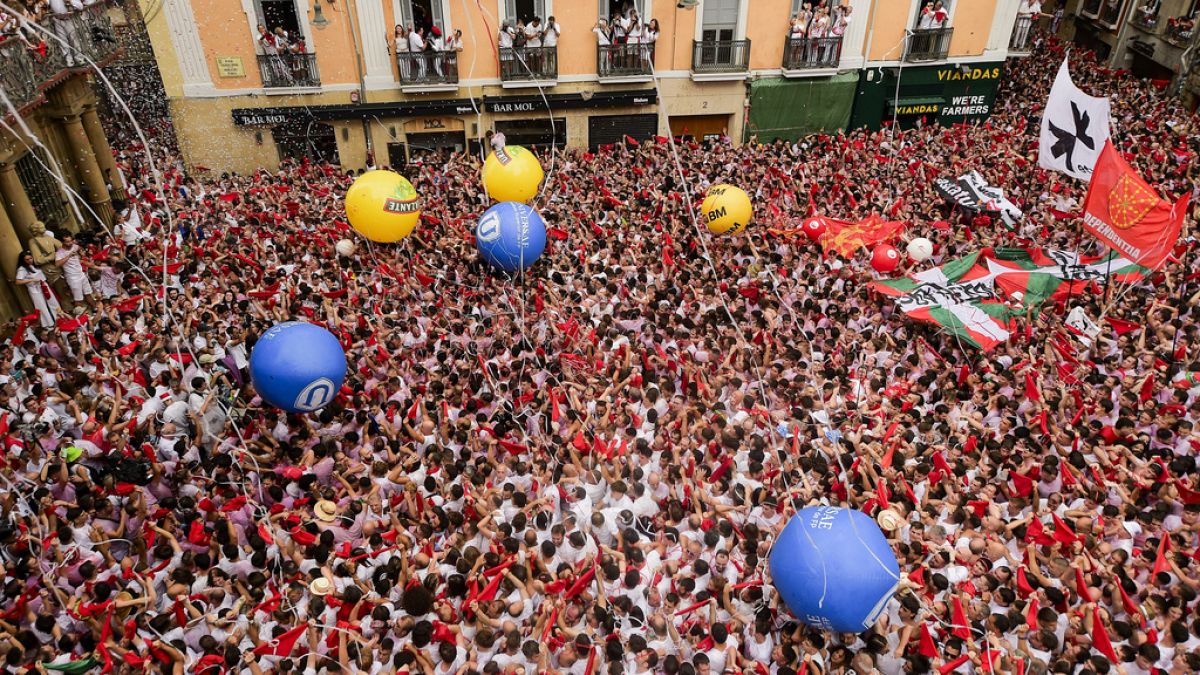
(521,474)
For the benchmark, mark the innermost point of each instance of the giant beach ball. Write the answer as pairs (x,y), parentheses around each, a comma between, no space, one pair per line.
(510,236)
(512,174)
(298,367)
(382,206)
(726,209)
(920,249)
(885,258)
(834,568)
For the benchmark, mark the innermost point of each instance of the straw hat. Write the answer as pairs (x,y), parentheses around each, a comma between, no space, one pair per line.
(320,586)
(326,511)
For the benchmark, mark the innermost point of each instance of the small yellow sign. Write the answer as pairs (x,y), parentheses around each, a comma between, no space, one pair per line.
(230,66)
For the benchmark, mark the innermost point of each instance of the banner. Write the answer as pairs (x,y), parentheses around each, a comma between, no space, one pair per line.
(1125,213)
(958,296)
(1075,127)
(971,191)
(845,238)
(992,198)
(1041,274)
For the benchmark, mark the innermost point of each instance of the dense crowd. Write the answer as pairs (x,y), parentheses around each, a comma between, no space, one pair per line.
(583,470)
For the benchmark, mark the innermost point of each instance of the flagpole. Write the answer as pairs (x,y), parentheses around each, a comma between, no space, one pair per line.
(1108,274)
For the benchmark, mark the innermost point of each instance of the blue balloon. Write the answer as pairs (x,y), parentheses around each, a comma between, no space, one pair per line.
(834,568)
(297,367)
(510,236)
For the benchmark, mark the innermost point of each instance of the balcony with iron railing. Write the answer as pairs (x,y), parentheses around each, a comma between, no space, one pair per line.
(522,65)
(428,71)
(1179,31)
(928,45)
(625,63)
(807,54)
(39,55)
(1145,20)
(1021,41)
(289,71)
(720,59)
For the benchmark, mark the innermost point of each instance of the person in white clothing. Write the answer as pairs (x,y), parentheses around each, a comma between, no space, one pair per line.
(416,45)
(68,259)
(40,293)
(551,33)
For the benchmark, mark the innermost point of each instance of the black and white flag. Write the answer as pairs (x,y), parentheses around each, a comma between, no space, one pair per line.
(1075,127)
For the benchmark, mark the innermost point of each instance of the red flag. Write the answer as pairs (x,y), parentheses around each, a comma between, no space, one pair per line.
(845,238)
(1031,389)
(1099,635)
(1068,478)
(1081,586)
(1161,563)
(555,413)
(1063,532)
(926,646)
(1125,213)
(1023,586)
(1023,484)
(489,592)
(1031,614)
(1121,326)
(1147,391)
(958,620)
(282,645)
(953,665)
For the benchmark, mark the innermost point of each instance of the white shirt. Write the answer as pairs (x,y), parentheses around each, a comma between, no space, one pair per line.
(533,36)
(550,39)
(415,42)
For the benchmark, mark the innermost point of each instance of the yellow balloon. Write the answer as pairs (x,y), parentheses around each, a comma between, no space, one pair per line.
(726,209)
(383,206)
(512,175)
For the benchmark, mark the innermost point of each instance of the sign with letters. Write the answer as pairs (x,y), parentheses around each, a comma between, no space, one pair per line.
(230,66)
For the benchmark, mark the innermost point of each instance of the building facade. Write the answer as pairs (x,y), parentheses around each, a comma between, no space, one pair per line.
(56,165)
(343,91)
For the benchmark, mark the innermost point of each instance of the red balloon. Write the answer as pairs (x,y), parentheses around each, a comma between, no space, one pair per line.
(885,258)
(813,228)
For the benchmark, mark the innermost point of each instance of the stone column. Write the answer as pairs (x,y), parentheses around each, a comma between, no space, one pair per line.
(88,169)
(10,248)
(19,209)
(104,155)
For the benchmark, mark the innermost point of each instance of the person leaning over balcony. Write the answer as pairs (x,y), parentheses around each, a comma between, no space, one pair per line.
(533,40)
(63,27)
(551,32)
(798,32)
(1028,12)
(400,37)
(416,45)
(649,38)
(604,42)
(817,31)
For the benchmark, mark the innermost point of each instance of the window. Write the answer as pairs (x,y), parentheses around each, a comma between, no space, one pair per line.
(524,10)
(1110,12)
(934,14)
(280,14)
(611,8)
(422,14)
(720,20)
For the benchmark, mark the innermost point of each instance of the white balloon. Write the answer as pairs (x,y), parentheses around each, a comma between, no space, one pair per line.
(920,249)
(344,247)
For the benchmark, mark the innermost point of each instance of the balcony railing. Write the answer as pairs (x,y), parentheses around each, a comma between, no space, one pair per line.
(528,64)
(427,68)
(33,60)
(720,56)
(928,45)
(289,70)
(1179,31)
(1147,21)
(1021,34)
(624,60)
(802,53)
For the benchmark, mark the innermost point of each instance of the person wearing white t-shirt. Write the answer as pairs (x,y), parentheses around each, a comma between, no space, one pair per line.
(416,45)
(551,33)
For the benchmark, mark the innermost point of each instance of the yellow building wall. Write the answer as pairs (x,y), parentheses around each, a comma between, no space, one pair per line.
(891,18)
(972,25)
(478,58)
(767,26)
(164,50)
